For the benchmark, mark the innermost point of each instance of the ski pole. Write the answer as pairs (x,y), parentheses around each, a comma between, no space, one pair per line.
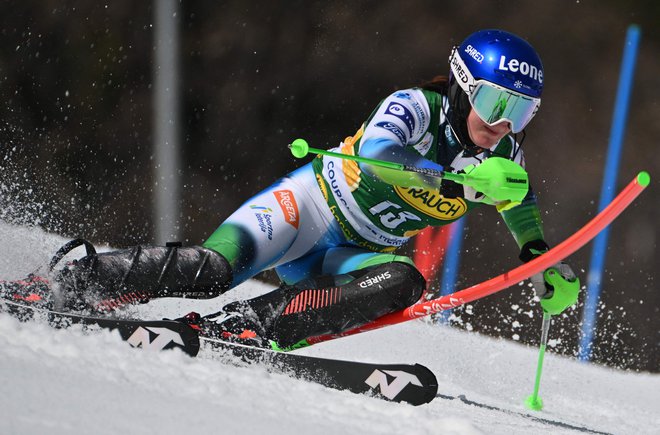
(499,179)
(534,402)
(300,148)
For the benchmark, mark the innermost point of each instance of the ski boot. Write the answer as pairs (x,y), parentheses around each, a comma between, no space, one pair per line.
(33,292)
(232,324)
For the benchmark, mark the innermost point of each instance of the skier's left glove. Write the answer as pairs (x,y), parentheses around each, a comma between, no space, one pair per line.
(558,287)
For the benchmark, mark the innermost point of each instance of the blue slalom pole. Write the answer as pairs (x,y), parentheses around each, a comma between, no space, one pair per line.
(452,263)
(615,146)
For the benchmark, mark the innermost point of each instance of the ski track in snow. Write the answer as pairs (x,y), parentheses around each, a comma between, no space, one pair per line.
(64,381)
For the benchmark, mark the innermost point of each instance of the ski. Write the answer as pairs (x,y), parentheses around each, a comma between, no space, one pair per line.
(547,421)
(151,335)
(411,383)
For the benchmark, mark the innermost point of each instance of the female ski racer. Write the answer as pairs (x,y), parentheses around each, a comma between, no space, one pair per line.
(331,228)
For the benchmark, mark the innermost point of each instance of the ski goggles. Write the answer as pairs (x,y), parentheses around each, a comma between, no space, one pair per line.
(495,104)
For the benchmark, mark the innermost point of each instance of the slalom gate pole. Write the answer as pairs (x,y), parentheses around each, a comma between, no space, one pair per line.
(452,262)
(534,402)
(429,250)
(599,250)
(521,273)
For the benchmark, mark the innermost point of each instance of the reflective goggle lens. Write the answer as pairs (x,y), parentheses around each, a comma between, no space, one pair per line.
(494,104)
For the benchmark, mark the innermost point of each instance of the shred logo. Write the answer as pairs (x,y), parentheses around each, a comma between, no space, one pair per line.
(375,280)
(456,65)
(474,53)
(391,389)
(432,203)
(289,207)
(163,337)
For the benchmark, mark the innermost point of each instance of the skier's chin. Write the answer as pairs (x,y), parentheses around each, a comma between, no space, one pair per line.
(485,140)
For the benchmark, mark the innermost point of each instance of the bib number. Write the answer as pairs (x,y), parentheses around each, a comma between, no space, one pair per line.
(390,214)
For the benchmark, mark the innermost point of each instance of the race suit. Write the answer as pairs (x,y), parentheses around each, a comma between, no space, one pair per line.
(333,216)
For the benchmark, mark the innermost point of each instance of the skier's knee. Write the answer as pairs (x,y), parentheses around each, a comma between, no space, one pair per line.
(409,284)
(400,284)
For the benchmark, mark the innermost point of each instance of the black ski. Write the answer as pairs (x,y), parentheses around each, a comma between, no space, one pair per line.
(410,383)
(146,334)
(560,424)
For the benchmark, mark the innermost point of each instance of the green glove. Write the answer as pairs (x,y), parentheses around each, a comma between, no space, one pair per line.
(558,288)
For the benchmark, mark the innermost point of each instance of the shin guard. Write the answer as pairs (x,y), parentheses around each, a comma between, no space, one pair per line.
(109,280)
(320,306)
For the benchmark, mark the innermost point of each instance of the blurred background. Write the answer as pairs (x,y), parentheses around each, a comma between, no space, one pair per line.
(77,127)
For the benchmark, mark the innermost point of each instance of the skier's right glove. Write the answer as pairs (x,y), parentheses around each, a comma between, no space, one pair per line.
(558,287)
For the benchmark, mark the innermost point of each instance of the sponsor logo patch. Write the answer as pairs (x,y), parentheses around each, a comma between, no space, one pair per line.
(515,65)
(154,338)
(398,110)
(424,145)
(474,53)
(289,207)
(390,126)
(264,219)
(432,203)
(400,380)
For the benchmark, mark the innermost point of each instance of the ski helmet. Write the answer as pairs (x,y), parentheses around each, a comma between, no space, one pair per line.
(501,77)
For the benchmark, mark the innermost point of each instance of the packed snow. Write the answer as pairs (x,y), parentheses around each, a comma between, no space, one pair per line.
(66,381)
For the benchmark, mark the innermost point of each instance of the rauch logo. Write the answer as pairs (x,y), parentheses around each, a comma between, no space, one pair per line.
(432,203)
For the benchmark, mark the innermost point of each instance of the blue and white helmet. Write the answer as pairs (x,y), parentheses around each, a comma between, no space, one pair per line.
(502,76)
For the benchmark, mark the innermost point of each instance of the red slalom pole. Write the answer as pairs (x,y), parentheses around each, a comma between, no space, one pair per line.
(521,273)
(430,249)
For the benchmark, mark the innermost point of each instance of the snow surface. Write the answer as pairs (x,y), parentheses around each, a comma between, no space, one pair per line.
(65,382)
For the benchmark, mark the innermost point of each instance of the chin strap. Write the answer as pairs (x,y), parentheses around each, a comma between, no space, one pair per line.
(459,109)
